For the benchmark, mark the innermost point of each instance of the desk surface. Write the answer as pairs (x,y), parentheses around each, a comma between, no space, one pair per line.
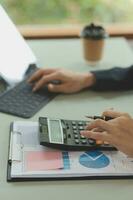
(68,53)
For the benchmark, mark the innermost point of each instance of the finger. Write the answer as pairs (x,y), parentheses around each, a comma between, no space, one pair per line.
(104,136)
(56,88)
(104,125)
(35,76)
(38,74)
(94,129)
(44,80)
(113,114)
(97,130)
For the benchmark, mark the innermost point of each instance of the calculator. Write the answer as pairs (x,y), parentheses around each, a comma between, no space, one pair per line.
(65,135)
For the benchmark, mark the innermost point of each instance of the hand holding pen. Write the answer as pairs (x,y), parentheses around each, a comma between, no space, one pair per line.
(106,118)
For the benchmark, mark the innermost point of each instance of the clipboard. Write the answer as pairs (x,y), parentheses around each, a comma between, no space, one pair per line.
(98,166)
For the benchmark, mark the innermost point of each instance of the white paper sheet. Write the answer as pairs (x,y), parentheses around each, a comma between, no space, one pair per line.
(15,54)
(76,164)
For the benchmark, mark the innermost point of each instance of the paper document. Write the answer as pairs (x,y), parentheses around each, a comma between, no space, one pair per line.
(15,55)
(38,161)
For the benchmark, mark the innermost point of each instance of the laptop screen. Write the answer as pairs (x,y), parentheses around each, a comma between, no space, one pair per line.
(15,54)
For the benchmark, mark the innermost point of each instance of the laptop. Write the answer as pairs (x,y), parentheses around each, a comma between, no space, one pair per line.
(17,63)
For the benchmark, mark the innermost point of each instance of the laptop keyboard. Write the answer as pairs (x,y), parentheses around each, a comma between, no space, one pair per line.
(22,102)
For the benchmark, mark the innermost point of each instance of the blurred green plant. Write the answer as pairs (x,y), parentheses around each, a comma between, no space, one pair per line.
(68,11)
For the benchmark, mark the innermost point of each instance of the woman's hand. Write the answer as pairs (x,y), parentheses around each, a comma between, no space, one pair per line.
(69,82)
(118,131)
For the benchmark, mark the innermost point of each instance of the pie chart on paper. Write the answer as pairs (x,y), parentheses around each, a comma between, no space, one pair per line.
(94,159)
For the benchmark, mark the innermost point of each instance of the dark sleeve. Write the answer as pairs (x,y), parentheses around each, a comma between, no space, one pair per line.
(113,79)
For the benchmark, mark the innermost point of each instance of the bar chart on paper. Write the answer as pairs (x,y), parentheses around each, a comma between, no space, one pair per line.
(46,160)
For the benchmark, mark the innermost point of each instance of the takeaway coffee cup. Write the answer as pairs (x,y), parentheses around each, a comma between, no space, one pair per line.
(93,43)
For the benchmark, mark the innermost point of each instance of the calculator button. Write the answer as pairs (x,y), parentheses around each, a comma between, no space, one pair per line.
(74,123)
(80,123)
(81,128)
(76,136)
(77,141)
(91,141)
(74,127)
(82,137)
(75,132)
(83,141)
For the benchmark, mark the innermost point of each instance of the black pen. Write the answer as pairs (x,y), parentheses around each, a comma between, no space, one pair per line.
(106,118)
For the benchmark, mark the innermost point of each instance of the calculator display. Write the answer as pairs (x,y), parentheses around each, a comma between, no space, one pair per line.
(55,132)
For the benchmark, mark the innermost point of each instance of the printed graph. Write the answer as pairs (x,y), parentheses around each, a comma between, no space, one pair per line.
(94,159)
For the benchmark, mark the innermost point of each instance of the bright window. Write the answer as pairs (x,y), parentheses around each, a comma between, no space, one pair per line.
(69,11)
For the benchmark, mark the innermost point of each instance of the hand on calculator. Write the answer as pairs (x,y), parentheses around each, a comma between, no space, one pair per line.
(118,131)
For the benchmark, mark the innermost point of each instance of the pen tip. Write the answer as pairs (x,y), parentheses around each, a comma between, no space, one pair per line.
(89,117)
